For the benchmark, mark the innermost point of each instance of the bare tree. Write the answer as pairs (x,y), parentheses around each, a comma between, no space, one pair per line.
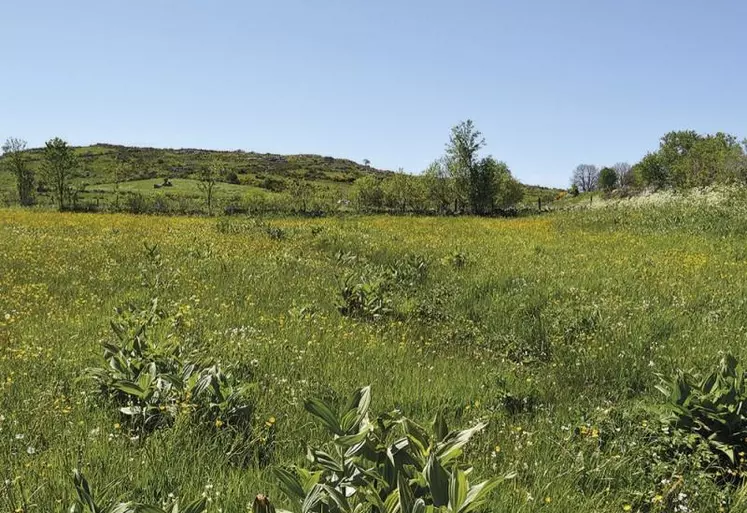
(624,175)
(585,177)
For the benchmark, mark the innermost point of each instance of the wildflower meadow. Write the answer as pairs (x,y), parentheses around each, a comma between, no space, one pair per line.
(191,359)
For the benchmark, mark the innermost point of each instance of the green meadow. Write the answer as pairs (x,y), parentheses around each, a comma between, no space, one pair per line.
(554,329)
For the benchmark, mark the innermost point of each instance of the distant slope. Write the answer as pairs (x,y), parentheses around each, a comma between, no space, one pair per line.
(98,162)
(271,172)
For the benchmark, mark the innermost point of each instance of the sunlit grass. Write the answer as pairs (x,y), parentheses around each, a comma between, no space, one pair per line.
(572,313)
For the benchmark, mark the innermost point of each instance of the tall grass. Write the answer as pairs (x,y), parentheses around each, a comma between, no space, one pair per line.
(554,329)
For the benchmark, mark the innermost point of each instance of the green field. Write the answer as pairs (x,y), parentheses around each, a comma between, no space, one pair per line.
(555,329)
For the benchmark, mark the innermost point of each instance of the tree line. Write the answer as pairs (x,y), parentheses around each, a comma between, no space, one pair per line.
(684,159)
(459,182)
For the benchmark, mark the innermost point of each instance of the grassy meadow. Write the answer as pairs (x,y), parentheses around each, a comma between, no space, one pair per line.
(554,328)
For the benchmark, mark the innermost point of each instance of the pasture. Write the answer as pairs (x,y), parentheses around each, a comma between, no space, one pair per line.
(555,329)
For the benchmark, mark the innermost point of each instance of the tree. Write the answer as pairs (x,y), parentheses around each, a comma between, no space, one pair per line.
(688,159)
(366,162)
(482,185)
(302,193)
(624,174)
(439,186)
(17,163)
(208,179)
(585,177)
(607,179)
(651,171)
(464,143)
(367,193)
(401,192)
(676,144)
(709,159)
(508,190)
(58,166)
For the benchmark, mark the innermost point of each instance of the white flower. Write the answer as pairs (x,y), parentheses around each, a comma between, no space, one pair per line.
(30,450)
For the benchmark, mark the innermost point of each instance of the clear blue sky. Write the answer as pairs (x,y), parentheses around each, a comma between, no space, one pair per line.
(550,83)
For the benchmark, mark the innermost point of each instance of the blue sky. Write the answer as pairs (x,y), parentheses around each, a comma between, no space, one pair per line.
(550,83)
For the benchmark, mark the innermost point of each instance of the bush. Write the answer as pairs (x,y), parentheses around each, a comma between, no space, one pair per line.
(712,408)
(152,384)
(135,203)
(364,297)
(385,464)
(232,177)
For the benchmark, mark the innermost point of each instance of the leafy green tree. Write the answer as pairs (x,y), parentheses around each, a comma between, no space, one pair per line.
(675,145)
(508,190)
(651,171)
(607,179)
(208,179)
(482,186)
(687,159)
(58,167)
(464,144)
(402,192)
(17,162)
(367,193)
(439,186)
(573,191)
(709,160)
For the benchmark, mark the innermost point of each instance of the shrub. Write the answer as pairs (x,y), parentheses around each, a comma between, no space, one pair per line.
(385,464)
(364,297)
(154,383)
(411,270)
(712,408)
(136,203)
(232,177)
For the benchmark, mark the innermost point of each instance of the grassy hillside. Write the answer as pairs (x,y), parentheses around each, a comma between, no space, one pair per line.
(97,164)
(259,175)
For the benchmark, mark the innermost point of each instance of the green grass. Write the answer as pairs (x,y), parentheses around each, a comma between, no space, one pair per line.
(554,330)
(180,187)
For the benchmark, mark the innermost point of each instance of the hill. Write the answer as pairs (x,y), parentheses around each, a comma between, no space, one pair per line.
(246,177)
(97,164)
